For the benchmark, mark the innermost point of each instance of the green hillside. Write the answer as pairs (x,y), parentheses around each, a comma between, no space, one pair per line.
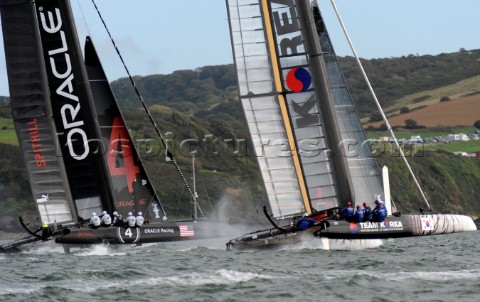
(432,96)
(7,132)
(450,182)
(198,110)
(200,91)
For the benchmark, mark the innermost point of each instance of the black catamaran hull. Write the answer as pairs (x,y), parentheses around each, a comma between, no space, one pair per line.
(392,227)
(148,233)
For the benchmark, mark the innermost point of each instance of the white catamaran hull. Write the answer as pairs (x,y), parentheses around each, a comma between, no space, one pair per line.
(392,227)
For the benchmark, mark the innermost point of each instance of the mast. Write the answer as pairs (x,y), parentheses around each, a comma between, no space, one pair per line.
(324,99)
(195,195)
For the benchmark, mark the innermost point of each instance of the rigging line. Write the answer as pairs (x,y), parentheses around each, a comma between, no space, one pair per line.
(378,103)
(208,199)
(137,92)
(83,17)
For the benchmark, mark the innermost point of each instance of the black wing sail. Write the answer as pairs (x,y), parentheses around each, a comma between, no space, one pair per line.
(72,107)
(32,113)
(53,110)
(132,189)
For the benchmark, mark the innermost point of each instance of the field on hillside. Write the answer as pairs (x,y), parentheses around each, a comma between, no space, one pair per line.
(423,133)
(460,111)
(7,133)
(469,147)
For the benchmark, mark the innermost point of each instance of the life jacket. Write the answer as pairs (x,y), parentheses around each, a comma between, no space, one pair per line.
(139,220)
(367,213)
(131,221)
(349,211)
(359,215)
(305,222)
(95,221)
(382,214)
(106,219)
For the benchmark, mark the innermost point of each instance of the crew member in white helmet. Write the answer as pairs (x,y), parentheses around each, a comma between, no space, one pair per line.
(106,219)
(117,219)
(130,220)
(139,219)
(95,220)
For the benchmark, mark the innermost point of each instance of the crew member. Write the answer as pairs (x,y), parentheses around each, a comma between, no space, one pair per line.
(95,220)
(46,232)
(130,220)
(379,213)
(367,212)
(139,219)
(348,212)
(305,222)
(377,206)
(359,214)
(106,219)
(117,219)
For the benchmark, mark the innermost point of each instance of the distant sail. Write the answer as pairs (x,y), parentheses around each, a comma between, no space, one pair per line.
(132,190)
(285,112)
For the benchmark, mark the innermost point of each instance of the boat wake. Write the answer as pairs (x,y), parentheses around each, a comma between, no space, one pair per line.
(219,277)
(405,276)
(335,244)
(99,250)
(41,248)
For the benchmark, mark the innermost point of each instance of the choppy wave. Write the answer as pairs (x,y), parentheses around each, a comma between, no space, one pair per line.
(443,268)
(402,275)
(219,277)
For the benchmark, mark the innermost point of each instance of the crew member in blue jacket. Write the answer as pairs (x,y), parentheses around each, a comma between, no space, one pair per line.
(377,204)
(367,212)
(348,212)
(305,222)
(379,213)
(359,214)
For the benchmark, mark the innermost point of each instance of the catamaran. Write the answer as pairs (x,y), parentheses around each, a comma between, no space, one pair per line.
(312,151)
(78,152)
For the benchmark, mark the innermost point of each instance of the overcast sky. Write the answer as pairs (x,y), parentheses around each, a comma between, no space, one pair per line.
(160,36)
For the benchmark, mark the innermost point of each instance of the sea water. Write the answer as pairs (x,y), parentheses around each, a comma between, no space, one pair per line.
(435,268)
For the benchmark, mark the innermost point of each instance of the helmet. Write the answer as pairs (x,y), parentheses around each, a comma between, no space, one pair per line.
(139,213)
(376,201)
(104,212)
(94,214)
(359,207)
(129,214)
(364,204)
(349,204)
(115,213)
